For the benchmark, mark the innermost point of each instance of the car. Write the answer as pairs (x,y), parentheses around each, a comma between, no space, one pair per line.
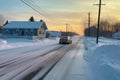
(65,40)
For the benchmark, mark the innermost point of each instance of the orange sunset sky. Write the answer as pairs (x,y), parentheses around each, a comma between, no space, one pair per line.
(58,13)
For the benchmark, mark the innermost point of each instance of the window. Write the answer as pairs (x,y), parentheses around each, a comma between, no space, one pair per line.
(31,31)
(17,31)
(26,31)
(6,31)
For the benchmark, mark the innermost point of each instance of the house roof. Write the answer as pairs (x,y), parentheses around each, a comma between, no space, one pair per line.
(24,24)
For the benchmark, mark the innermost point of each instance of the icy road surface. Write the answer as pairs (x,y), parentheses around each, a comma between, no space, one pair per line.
(23,62)
(72,66)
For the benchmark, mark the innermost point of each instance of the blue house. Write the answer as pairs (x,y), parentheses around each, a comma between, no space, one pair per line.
(25,29)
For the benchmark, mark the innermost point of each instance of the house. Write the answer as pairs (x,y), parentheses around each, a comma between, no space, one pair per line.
(116,35)
(25,29)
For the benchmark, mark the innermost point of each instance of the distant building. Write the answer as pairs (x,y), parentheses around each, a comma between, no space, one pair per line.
(52,34)
(48,34)
(116,35)
(25,29)
(55,34)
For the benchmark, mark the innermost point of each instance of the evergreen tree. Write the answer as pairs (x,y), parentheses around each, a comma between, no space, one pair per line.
(32,19)
(41,20)
(6,23)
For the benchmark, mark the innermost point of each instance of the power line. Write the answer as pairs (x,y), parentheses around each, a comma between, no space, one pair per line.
(31,3)
(35,5)
(33,8)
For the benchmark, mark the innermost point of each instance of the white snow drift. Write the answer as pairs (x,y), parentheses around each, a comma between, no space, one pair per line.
(104,58)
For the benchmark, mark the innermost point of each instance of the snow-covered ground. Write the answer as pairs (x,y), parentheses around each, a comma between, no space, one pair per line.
(72,66)
(104,58)
(22,56)
(10,43)
(85,61)
(19,57)
(89,61)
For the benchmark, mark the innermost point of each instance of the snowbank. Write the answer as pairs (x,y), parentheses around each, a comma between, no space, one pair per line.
(104,58)
(104,61)
(3,43)
(14,43)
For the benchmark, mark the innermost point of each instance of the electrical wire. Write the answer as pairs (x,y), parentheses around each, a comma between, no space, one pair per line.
(32,7)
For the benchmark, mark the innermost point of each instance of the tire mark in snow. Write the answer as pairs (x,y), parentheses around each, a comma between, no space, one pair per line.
(63,52)
(19,61)
(16,59)
(28,61)
(7,63)
(51,51)
(72,48)
(19,51)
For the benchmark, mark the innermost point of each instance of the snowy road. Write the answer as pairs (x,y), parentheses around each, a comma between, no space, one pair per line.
(24,63)
(72,66)
(14,62)
(78,61)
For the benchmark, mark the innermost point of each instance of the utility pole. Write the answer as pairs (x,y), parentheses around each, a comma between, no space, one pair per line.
(69,30)
(98,25)
(89,24)
(66,29)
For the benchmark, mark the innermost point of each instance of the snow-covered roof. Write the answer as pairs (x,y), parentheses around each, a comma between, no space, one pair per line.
(23,24)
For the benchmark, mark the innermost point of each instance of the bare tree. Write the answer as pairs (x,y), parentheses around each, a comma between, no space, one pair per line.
(105,29)
(116,27)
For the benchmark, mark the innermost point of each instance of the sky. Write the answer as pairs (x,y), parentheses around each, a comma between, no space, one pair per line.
(58,13)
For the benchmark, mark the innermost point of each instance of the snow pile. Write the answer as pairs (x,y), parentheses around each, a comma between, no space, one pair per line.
(14,43)
(106,62)
(104,58)
(3,43)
